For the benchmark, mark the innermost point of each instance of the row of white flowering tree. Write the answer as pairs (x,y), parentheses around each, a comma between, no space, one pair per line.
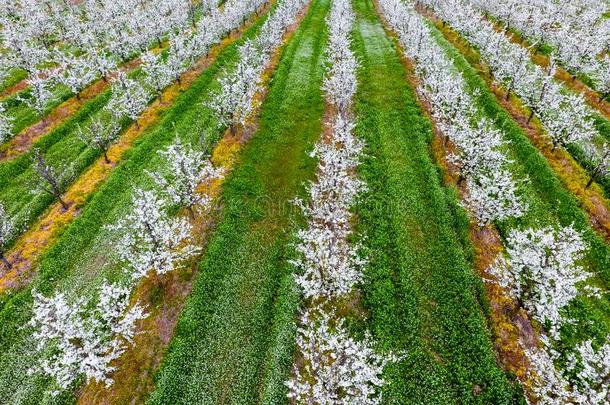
(541,268)
(335,368)
(150,242)
(234,103)
(480,155)
(578,31)
(565,115)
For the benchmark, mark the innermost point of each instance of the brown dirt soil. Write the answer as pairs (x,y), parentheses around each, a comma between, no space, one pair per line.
(505,315)
(15,88)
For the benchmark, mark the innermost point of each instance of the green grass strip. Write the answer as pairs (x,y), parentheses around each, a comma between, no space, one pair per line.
(421,292)
(236,336)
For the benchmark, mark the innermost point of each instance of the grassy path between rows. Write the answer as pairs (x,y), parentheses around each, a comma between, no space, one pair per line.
(235,339)
(82,257)
(421,291)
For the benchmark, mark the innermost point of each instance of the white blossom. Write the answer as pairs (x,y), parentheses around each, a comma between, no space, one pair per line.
(82,339)
(151,241)
(337,369)
(328,265)
(550,387)
(584,380)
(599,156)
(40,94)
(188,169)
(6,125)
(592,368)
(233,103)
(542,270)
(158,73)
(7,229)
(565,115)
(577,30)
(492,190)
(129,98)
(50,179)
(77,72)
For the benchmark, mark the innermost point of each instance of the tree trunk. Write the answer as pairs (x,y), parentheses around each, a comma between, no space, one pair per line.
(106,156)
(64,205)
(191,211)
(530,117)
(5,261)
(507,95)
(591,180)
